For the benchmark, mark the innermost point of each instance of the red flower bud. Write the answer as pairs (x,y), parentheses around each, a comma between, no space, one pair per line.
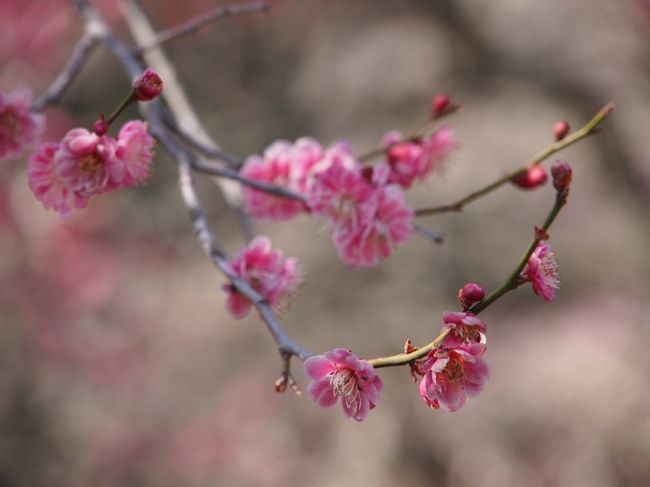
(562,174)
(100,127)
(469,294)
(531,178)
(561,130)
(440,104)
(148,86)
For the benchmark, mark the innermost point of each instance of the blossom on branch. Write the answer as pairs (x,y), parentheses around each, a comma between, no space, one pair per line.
(465,328)
(136,149)
(263,269)
(542,271)
(416,159)
(339,374)
(65,176)
(453,375)
(18,126)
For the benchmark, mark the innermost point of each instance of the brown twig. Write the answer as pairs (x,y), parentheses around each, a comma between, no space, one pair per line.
(194,24)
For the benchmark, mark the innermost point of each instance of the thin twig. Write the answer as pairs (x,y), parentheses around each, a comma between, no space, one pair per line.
(507,286)
(194,24)
(80,54)
(185,160)
(588,129)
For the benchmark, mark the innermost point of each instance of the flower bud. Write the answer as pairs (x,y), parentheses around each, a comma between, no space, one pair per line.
(562,174)
(100,127)
(148,86)
(561,130)
(440,104)
(469,294)
(531,178)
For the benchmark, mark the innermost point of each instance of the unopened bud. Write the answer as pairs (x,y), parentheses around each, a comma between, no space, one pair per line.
(562,174)
(469,294)
(561,130)
(531,178)
(148,86)
(100,126)
(440,104)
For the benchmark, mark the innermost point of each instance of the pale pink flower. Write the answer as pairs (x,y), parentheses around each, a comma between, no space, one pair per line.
(18,126)
(263,269)
(47,185)
(341,374)
(284,164)
(416,159)
(387,221)
(88,164)
(542,271)
(464,328)
(453,375)
(136,149)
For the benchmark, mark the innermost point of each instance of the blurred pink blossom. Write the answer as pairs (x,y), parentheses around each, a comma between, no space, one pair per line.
(416,159)
(542,271)
(341,374)
(263,269)
(374,240)
(453,375)
(19,127)
(136,149)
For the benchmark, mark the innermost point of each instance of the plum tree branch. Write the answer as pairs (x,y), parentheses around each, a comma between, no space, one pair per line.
(588,129)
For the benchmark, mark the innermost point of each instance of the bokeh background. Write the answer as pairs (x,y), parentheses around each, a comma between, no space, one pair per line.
(120,366)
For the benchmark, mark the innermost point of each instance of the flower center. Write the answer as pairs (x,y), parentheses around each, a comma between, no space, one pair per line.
(344,384)
(454,371)
(89,164)
(9,122)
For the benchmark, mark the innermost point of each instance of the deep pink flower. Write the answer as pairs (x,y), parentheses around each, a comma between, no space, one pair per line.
(542,271)
(18,126)
(387,221)
(341,374)
(465,328)
(263,269)
(453,375)
(47,185)
(136,149)
(88,164)
(412,160)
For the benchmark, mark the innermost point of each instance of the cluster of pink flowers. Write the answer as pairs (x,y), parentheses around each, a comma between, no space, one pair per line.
(264,270)
(340,374)
(66,175)
(19,127)
(542,271)
(365,205)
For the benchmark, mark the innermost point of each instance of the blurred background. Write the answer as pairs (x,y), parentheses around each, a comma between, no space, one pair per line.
(119,364)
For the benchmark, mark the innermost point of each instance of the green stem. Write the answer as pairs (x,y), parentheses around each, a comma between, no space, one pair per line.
(571,139)
(508,285)
(130,98)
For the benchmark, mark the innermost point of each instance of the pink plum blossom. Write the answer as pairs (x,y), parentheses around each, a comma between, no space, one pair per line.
(416,159)
(18,126)
(284,164)
(136,150)
(263,269)
(464,328)
(374,240)
(341,374)
(88,164)
(453,375)
(47,185)
(542,271)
